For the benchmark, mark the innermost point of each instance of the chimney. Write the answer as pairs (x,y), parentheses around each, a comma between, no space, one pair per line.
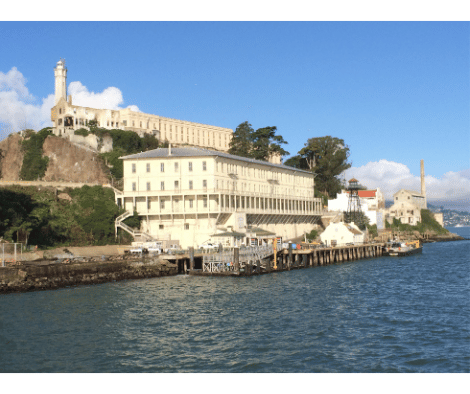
(423,185)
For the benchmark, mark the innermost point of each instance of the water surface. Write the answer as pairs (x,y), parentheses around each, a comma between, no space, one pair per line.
(388,314)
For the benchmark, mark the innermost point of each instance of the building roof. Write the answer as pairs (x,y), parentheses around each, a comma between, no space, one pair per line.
(353,229)
(228,234)
(260,232)
(364,193)
(367,193)
(201,152)
(412,192)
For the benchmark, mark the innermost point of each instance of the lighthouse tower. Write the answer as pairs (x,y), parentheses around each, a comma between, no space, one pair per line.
(60,74)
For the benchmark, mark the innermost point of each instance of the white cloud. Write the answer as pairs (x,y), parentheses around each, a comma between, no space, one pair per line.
(19,109)
(391,177)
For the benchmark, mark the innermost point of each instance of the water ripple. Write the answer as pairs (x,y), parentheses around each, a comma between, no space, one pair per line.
(377,315)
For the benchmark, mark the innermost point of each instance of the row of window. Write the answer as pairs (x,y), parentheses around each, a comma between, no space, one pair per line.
(161,226)
(176,167)
(190,202)
(176,184)
(261,188)
(233,168)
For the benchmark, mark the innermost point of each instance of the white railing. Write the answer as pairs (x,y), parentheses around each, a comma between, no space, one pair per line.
(224,261)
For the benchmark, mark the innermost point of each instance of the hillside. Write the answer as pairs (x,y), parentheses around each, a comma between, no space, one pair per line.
(67,162)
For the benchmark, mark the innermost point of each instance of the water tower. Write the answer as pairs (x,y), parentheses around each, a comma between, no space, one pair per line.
(354,212)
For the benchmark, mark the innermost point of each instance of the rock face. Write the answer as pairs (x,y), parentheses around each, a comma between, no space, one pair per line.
(11,158)
(67,162)
(70,163)
(52,275)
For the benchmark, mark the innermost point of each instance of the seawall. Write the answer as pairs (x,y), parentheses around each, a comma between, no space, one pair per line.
(52,275)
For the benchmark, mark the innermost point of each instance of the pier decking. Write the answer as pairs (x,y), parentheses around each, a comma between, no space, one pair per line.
(254,261)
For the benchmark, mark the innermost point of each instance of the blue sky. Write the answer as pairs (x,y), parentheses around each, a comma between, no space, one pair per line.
(396,92)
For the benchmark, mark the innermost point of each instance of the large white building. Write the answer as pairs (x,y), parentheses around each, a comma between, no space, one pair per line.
(66,118)
(191,194)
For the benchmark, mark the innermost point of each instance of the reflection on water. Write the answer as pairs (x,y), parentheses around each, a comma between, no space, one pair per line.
(379,315)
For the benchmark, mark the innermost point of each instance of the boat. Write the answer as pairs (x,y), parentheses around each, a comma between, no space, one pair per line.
(397,248)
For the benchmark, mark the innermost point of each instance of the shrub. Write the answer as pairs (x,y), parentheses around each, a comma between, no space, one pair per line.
(34,164)
(83,132)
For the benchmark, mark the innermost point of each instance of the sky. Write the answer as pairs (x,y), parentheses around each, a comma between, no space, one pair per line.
(395,92)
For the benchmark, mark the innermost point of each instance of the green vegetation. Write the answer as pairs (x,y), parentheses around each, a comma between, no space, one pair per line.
(133,221)
(34,164)
(41,218)
(124,143)
(259,144)
(428,223)
(312,235)
(83,132)
(327,157)
(373,232)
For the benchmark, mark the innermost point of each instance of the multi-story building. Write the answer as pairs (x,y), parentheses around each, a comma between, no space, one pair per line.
(407,205)
(191,194)
(66,118)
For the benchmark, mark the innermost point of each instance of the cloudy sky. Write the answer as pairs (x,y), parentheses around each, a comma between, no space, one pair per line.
(396,92)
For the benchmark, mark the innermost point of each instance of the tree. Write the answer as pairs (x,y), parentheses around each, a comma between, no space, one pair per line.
(265,143)
(241,143)
(327,157)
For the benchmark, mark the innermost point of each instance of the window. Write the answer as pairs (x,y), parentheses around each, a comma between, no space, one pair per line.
(190,166)
(148,167)
(160,227)
(162,167)
(148,204)
(204,183)
(191,203)
(133,186)
(186,226)
(190,185)
(204,166)
(148,185)
(162,204)
(204,202)
(176,167)
(177,185)
(162,185)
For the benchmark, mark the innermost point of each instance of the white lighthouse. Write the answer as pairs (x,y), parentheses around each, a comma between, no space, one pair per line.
(60,74)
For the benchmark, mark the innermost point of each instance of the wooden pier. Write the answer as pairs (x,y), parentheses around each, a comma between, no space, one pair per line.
(233,263)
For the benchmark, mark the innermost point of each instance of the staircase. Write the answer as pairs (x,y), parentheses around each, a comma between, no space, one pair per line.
(137,234)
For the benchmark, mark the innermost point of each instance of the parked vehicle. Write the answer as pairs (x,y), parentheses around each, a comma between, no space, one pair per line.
(138,250)
(208,246)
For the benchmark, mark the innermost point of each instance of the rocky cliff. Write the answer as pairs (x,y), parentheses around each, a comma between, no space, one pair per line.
(11,158)
(67,161)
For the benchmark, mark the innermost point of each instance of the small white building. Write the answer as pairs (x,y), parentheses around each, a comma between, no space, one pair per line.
(339,234)
(372,202)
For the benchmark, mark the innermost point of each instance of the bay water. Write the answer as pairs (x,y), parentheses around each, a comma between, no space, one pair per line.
(388,314)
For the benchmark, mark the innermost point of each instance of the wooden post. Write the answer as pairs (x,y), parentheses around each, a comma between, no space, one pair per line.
(304,257)
(275,253)
(191,258)
(289,262)
(236,259)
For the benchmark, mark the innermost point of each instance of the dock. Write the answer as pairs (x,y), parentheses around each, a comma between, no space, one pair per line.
(264,259)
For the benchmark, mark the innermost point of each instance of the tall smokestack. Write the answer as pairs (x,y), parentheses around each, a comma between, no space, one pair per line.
(423,184)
